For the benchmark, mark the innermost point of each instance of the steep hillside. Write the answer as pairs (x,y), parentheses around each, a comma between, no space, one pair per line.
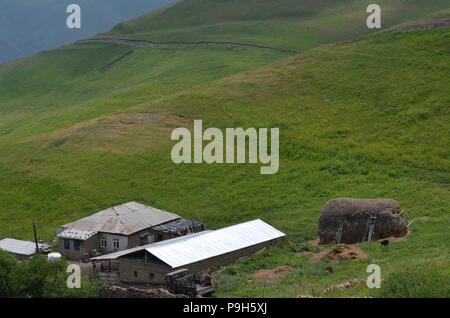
(286,24)
(88,126)
(364,119)
(60,87)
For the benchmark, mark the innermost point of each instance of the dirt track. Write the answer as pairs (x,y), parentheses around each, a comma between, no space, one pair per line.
(150,43)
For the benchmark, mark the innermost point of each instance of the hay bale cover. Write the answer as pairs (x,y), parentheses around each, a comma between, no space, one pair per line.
(354,215)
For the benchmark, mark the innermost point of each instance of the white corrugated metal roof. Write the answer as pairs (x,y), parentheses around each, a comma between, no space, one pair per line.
(191,249)
(76,234)
(20,247)
(118,254)
(126,219)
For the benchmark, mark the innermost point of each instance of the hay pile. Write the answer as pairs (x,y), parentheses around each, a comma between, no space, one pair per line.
(353,214)
(341,252)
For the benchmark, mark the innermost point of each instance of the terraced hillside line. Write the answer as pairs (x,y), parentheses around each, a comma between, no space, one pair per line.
(150,43)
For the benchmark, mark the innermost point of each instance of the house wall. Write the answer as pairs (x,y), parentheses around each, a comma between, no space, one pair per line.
(85,246)
(123,243)
(157,236)
(135,270)
(135,239)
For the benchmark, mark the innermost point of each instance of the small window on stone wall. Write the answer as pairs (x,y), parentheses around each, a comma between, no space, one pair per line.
(135,274)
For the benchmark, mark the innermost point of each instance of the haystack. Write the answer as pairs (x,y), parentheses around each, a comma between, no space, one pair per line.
(349,220)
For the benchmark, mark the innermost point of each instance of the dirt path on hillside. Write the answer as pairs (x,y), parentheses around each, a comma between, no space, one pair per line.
(150,43)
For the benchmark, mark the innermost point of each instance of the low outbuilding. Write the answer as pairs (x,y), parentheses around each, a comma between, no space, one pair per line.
(196,252)
(22,249)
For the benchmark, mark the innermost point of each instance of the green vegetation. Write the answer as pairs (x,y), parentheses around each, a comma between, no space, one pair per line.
(363,118)
(39,277)
(429,281)
(82,83)
(287,24)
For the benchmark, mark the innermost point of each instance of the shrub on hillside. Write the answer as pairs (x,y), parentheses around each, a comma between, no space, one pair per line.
(39,277)
(7,264)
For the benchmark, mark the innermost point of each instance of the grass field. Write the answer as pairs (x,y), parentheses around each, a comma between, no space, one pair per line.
(286,24)
(88,126)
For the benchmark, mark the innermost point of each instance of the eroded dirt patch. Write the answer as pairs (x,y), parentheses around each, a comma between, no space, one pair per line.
(119,133)
(314,242)
(272,275)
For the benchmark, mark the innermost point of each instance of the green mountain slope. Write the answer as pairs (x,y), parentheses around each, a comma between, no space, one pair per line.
(88,126)
(288,24)
(88,80)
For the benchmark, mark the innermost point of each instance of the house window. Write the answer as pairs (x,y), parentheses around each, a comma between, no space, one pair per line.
(135,274)
(151,275)
(67,244)
(116,243)
(103,242)
(76,245)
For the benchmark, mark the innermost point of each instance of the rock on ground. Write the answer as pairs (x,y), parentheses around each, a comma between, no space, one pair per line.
(132,292)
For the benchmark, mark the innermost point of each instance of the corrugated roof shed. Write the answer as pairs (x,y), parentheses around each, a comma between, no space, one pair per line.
(124,219)
(20,247)
(186,250)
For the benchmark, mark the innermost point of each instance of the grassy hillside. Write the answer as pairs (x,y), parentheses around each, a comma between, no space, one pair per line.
(88,126)
(288,24)
(88,80)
